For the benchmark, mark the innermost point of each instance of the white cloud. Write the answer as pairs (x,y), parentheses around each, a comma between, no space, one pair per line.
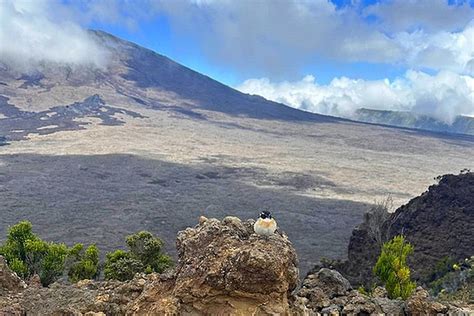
(279,37)
(31,32)
(443,50)
(430,15)
(443,96)
(275,37)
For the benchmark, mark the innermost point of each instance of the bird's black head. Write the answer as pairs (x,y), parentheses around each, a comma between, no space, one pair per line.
(265,214)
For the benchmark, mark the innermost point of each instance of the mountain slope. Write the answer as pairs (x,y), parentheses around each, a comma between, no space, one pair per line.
(132,71)
(461,125)
(144,143)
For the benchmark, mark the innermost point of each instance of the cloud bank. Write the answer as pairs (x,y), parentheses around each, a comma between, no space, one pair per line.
(30,32)
(278,36)
(442,96)
(432,39)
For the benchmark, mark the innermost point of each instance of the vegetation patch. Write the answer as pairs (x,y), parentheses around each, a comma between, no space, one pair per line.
(29,255)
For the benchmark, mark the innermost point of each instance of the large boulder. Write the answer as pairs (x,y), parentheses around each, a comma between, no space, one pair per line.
(225,268)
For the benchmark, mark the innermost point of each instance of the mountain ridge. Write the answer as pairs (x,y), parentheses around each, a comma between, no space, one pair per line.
(460,125)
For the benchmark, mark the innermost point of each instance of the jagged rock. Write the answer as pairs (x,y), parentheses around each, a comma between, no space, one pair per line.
(35,281)
(360,304)
(439,223)
(156,299)
(106,297)
(316,298)
(380,292)
(419,303)
(298,306)
(9,281)
(390,307)
(327,292)
(330,281)
(321,287)
(332,310)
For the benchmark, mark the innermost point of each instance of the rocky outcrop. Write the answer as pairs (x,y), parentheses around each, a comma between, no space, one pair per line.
(439,224)
(327,292)
(11,287)
(224,268)
(421,303)
(9,281)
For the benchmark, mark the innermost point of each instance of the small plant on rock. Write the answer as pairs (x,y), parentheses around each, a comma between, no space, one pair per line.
(392,269)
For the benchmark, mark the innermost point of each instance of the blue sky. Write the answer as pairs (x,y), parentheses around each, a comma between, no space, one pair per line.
(329,57)
(160,34)
(157,34)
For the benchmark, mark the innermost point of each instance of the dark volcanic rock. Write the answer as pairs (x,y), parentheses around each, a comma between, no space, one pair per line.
(18,124)
(439,224)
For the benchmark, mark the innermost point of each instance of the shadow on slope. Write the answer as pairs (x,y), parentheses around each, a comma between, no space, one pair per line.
(101,199)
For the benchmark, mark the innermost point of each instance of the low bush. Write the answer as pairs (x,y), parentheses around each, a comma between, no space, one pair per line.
(27,254)
(392,269)
(144,256)
(83,264)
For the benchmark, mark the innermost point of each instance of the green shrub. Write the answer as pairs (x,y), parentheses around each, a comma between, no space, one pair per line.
(147,249)
(52,265)
(442,267)
(144,256)
(392,269)
(26,254)
(120,265)
(83,264)
(453,280)
(363,290)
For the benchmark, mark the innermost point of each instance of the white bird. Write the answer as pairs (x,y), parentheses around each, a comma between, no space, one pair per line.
(265,224)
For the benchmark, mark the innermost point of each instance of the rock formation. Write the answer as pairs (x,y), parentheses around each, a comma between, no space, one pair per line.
(223,268)
(327,292)
(439,223)
(9,281)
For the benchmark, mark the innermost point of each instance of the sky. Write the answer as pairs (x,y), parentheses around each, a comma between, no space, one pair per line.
(329,57)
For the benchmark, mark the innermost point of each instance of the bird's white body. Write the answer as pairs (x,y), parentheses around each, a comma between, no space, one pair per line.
(265,227)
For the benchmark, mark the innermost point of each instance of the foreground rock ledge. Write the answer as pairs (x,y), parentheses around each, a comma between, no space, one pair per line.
(224,268)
